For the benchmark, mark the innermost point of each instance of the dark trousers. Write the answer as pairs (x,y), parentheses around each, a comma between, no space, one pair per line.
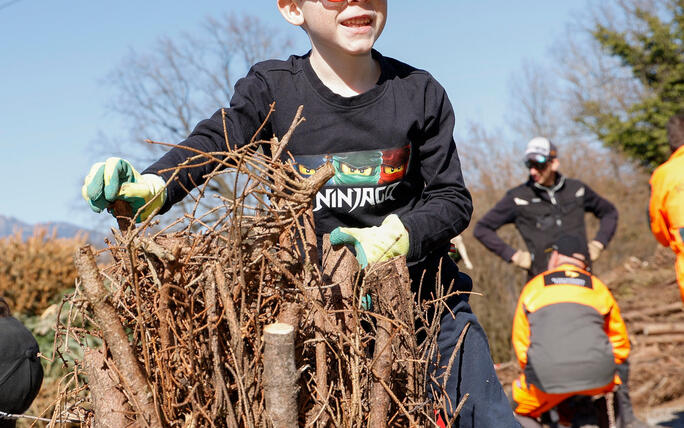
(8,423)
(625,411)
(472,373)
(473,369)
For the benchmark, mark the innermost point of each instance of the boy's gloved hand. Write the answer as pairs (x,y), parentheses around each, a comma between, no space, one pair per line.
(595,249)
(522,259)
(377,243)
(117,179)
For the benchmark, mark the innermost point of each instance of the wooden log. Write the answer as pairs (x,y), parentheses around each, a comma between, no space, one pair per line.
(664,339)
(382,370)
(110,405)
(649,312)
(662,328)
(384,280)
(127,364)
(280,375)
(340,269)
(123,212)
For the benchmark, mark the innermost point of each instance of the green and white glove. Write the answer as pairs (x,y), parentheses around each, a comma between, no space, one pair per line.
(377,243)
(117,179)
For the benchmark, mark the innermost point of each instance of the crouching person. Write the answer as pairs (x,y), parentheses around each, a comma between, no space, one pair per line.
(568,335)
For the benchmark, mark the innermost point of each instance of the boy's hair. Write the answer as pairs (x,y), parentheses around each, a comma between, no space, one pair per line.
(4,308)
(675,130)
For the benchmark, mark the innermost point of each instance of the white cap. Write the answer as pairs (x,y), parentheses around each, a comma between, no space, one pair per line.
(540,147)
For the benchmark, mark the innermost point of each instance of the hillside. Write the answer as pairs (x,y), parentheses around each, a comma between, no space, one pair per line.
(10,225)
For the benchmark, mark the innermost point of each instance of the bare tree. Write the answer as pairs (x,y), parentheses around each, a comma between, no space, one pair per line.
(535,108)
(162,92)
(165,91)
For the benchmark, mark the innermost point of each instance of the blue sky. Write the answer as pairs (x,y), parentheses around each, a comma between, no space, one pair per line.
(55,55)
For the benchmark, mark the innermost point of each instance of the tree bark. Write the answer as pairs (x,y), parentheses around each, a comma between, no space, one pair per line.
(389,281)
(132,375)
(109,403)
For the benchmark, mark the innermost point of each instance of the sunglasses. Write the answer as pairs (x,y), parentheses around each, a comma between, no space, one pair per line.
(539,166)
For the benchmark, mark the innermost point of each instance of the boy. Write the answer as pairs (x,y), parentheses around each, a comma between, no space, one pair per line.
(397,190)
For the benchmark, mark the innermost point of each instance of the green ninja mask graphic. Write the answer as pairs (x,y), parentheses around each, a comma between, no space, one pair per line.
(357,168)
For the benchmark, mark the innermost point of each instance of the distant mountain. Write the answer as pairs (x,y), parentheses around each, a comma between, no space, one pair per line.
(9,226)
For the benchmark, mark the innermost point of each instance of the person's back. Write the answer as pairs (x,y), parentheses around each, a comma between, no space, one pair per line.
(568,334)
(569,349)
(666,206)
(21,373)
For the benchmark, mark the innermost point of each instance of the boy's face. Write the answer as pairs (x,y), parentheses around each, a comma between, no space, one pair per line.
(349,27)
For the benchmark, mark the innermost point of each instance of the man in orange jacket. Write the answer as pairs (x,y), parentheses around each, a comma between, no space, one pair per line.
(568,334)
(666,208)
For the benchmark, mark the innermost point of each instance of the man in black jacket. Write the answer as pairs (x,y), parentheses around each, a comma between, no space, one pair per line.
(543,208)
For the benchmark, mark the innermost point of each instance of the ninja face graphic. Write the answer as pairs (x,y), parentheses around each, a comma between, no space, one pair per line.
(394,163)
(306,166)
(357,168)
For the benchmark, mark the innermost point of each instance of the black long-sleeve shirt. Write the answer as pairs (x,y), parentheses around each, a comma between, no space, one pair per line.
(392,147)
(542,214)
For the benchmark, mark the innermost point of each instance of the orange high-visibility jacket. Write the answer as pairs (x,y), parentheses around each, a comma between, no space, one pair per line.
(666,208)
(568,334)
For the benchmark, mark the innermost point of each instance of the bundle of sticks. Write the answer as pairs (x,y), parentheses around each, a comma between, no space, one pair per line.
(238,321)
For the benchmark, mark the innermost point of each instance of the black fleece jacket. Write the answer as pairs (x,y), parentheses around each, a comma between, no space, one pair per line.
(392,148)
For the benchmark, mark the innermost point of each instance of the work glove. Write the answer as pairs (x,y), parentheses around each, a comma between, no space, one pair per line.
(117,179)
(522,259)
(595,249)
(377,243)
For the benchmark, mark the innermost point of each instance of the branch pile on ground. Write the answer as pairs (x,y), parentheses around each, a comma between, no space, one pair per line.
(654,315)
(233,322)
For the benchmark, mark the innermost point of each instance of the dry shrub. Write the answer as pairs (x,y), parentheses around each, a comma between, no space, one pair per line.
(35,272)
(182,317)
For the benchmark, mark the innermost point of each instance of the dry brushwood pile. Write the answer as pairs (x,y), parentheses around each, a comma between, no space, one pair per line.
(234,323)
(651,306)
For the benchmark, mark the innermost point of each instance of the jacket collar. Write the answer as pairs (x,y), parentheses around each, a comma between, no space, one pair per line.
(547,192)
(560,181)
